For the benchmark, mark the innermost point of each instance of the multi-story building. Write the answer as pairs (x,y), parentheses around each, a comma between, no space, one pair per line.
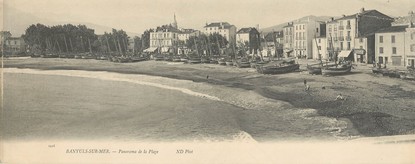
(288,31)
(410,45)
(395,46)
(183,37)
(273,44)
(185,34)
(320,51)
(305,31)
(225,29)
(11,45)
(390,46)
(248,39)
(247,35)
(344,32)
(165,38)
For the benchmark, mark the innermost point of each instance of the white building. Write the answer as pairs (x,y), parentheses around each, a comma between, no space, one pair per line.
(225,29)
(320,51)
(165,38)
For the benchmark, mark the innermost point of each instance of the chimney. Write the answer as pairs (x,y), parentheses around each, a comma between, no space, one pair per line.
(362,10)
(332,18)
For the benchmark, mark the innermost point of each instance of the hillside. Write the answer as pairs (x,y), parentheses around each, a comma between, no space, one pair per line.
(280,26)
(17,22)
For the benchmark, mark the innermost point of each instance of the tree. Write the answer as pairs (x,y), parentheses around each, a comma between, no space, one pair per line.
(212,44)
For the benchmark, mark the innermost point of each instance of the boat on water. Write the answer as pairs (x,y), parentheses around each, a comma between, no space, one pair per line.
(336,69)
(279,67)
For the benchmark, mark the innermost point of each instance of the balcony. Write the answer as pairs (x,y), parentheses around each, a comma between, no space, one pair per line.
(348,27)
(348,38)
(341,27)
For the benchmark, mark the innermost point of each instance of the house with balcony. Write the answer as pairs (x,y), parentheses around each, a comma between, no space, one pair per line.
(346,31)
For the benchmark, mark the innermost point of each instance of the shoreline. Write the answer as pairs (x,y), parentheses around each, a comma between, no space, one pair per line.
(366,118)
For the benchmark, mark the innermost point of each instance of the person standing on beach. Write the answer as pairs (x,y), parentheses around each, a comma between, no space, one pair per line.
(306,87)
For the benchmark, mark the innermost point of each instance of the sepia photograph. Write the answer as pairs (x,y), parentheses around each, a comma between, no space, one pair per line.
(207,81)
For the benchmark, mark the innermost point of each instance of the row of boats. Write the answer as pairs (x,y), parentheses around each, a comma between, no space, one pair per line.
(261,66)
(409,74)
(119,59)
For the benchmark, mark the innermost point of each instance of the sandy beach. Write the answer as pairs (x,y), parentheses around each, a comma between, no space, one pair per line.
(267,107)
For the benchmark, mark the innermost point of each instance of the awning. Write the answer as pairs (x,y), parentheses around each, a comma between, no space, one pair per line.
(344,54)
(360,51)
(288,51)
(165,49)
(151,49)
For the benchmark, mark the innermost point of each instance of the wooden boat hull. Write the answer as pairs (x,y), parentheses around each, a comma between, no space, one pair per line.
(229,63)
(243,64)
(183,59)
(277,69)
(194,61)
(314,70)
(336,71)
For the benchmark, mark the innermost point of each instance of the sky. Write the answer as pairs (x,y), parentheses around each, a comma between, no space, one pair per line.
(139,15)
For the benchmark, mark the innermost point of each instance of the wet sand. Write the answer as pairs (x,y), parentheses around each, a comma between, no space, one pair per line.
(274,107)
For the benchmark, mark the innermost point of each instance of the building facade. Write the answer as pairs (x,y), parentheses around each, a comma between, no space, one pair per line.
(390,46)
(225,29)
(410,46)
(320,51)
(11,45)
(288,39)
(305,31)
(354,35)
(165,38)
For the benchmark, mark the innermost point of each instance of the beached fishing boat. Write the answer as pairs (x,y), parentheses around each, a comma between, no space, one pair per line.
(336,70)
(158,57)
(35,55)
(176,59)
(229,63)
(314,69)
(277,68)
(137,58)
(184,59)
(194,60)
(205,59)
(49,56)
(243,63)
(221,61)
